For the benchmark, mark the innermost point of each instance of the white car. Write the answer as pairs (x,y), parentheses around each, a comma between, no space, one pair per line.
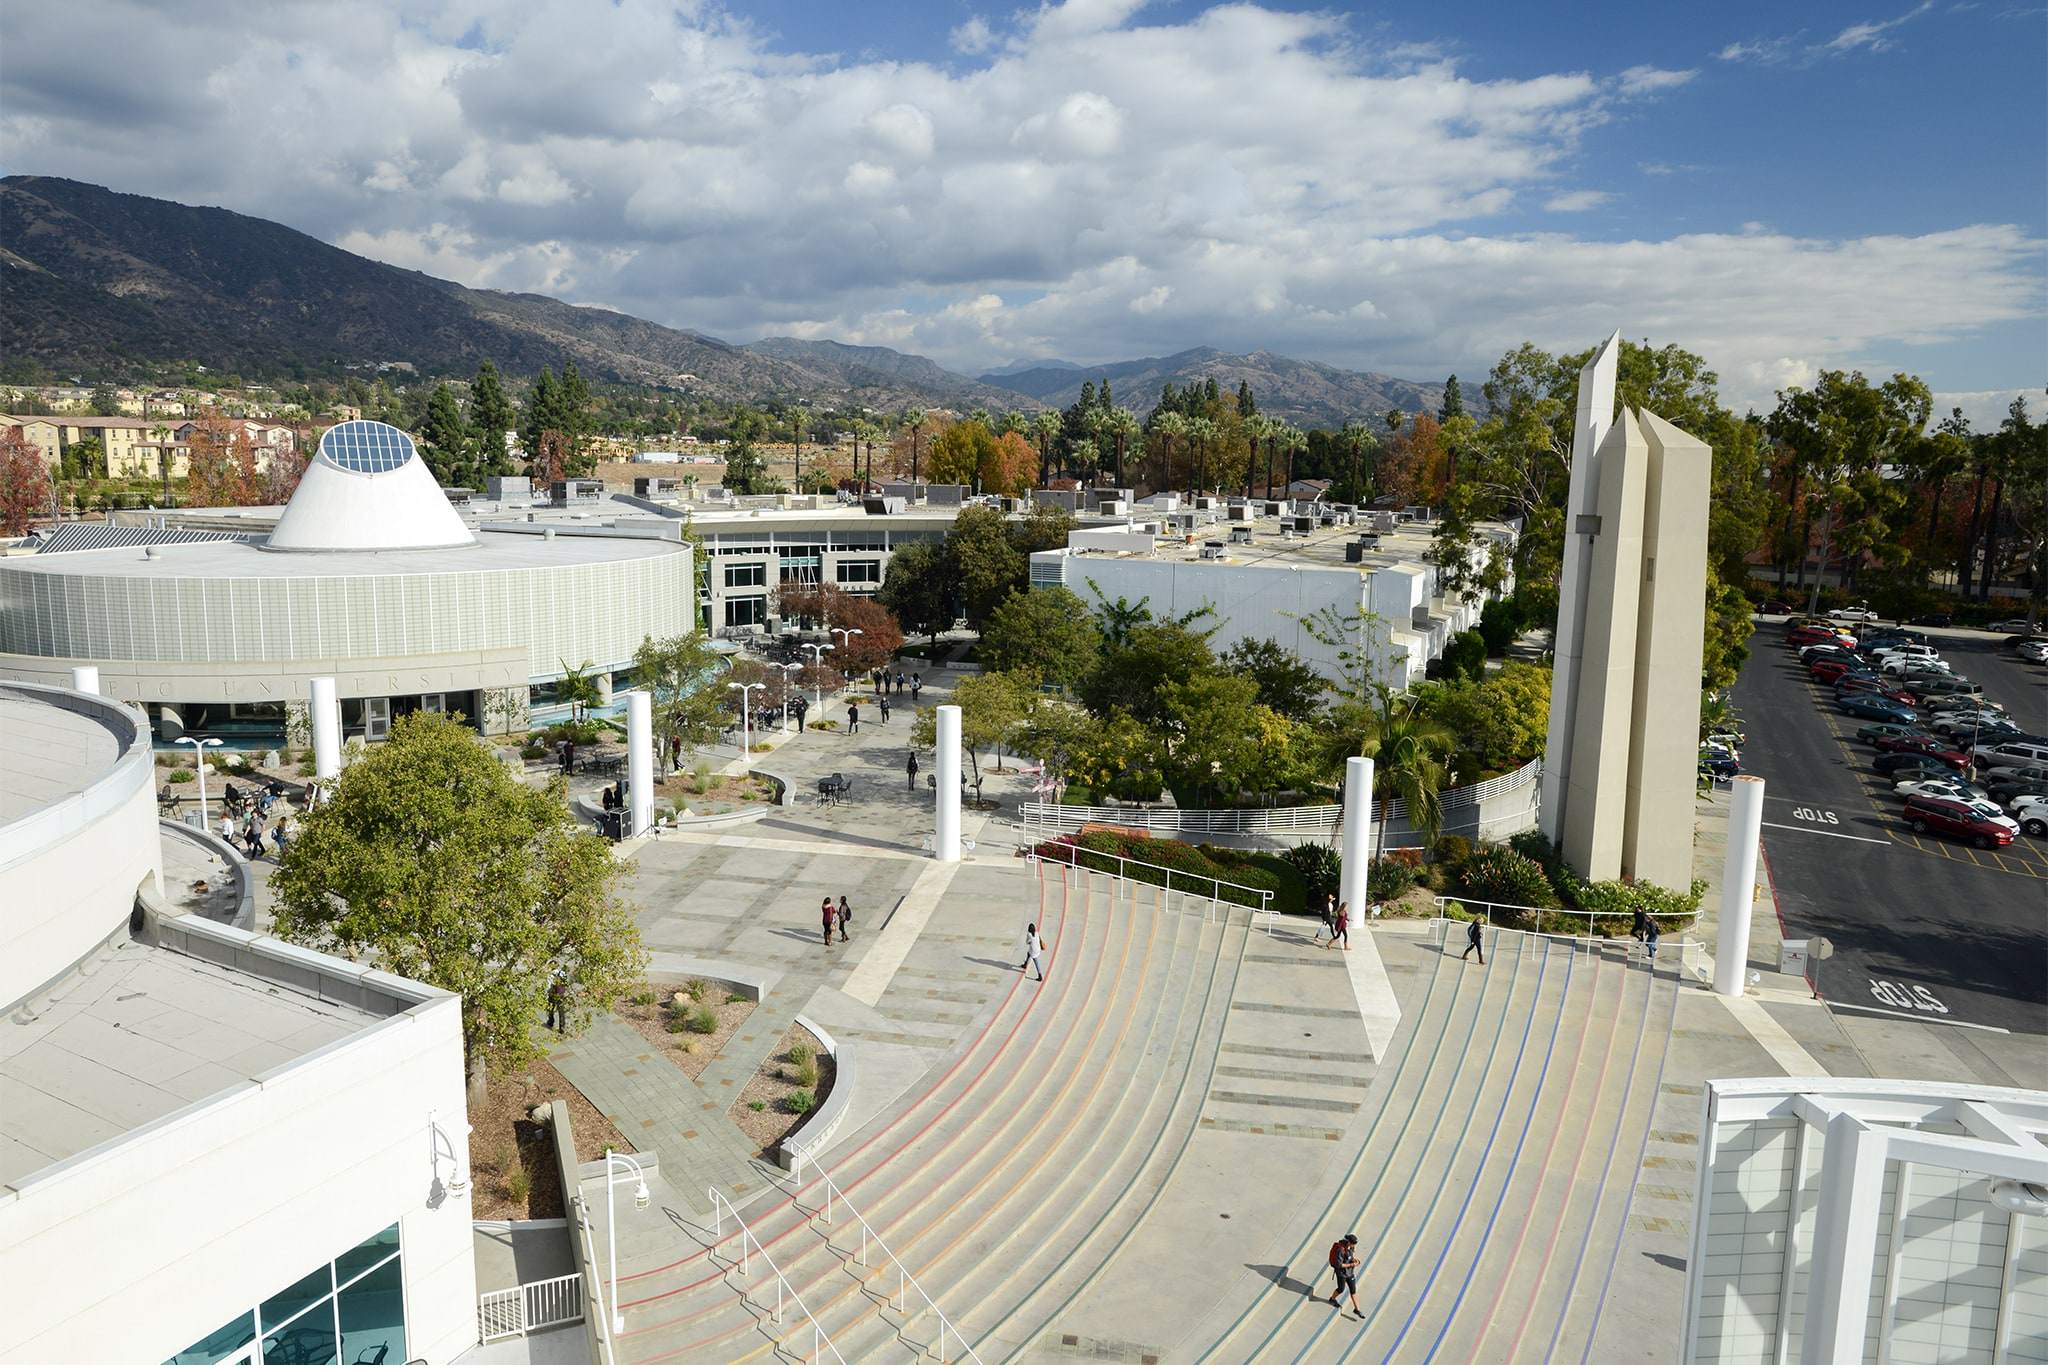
(1855,613)
(2034,651)
(1906,652)
(1946,788)
(2031,812)
(1966,722)
(1896,665)
(1989,812)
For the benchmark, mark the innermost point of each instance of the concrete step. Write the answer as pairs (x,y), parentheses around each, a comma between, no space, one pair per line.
(1464,1005)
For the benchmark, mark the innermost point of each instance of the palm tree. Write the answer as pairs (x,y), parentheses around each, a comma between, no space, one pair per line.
(1081,458)
(1123,426)
(1260,428)
(1356,436)
(1012,420)
(162,435)
(913,418)
(1201,431)
(1097,421)
(1170,426)
(1292,439)
(797,418)
(1407,749)
(1046,427)
(979,415)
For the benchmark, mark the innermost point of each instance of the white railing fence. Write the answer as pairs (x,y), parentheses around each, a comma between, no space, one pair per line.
(719,1208)
(904,1279)
(1675,922)
(1207,892)
(527,1308)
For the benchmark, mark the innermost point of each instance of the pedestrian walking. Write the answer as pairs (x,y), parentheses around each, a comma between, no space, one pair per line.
(916,686)
(564,752)
(675,753)
(1472,943)
(1650,937)
(1344,1260)
(884,705)
(881,683)
(899,682)
(1340,925)
(852,718)
(845,918)
(910,771)
(558,1006)
(1639,926)
(227,828)
(281,835)
(831,916)
(1034,952)
(252,835)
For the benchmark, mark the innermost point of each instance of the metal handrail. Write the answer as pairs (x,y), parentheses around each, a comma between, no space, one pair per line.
(903,1275)
(1487,908)
(818,1336)
(1216,884)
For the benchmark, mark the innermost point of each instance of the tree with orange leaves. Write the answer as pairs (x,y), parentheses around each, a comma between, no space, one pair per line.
(25,485)
(221,464)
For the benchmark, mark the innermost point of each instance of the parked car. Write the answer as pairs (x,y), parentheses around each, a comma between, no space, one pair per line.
(1911,767)
(1871,686)
(1924,686)
(1888,729)
(2033,651)
(1958,722)
(2013,753)
(2010,623)
(1829,669)
(1951,787)
(1937,618)
(1809,635)
(1775,608)
(1956,819)
(2009,784)
(1859,612)
(1921,748)
(1864,706)
(1961,702)
(1827,649)
(1904,665)
(1720,765)
(2031,812)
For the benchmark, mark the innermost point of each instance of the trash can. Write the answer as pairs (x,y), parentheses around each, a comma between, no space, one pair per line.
(1792,957)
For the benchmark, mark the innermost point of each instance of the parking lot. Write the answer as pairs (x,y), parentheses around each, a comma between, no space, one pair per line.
(1923,927)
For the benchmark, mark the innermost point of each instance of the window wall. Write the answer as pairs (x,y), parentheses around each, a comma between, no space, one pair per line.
(352,1309)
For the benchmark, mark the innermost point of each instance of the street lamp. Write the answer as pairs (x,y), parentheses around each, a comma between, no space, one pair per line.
(199,747)
(846,635)
(746,719)
(818,653)
(787,670)
(611,1220)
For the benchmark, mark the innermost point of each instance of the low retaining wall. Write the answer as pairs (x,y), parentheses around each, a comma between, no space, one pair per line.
(597,1324)
(805,1144)
(237,864)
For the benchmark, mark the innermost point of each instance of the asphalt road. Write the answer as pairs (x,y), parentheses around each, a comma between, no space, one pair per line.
(1923,928)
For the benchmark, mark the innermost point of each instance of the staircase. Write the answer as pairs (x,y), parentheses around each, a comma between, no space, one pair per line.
(1491,1187)
(1002,1184)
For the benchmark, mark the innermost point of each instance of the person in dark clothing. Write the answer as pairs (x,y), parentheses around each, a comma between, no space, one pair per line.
(910,768)
(558,1007)
(1344,1260)
(884,705)
(1472,943)
(899,682)
(1340,925)
(845,918)
(852,718)
(1639,927)
(831,915)
(1650,937)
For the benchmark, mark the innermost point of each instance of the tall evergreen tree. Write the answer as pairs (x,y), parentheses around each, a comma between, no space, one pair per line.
(542,413)
(447,437)
(1247,406)
(1454,401)
(490,417)
(574,394)
(1210,393)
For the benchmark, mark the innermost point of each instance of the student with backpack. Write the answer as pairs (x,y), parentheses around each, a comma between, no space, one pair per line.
(845,918)
(1344,1260)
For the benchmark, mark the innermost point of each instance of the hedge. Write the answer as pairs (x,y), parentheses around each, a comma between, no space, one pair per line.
(1259,871)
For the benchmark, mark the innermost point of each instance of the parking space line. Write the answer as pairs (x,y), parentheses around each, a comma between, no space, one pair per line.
(1824,833)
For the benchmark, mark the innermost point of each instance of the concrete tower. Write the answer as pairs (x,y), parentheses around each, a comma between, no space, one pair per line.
(1622,751)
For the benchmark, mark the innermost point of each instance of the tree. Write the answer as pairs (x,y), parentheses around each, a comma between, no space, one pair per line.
(1122,428)
(490,417)
(579,688)
(25,484)
(1044,527)
(880,635)
(1499,722)
(574,395)
(104,401)
(1224,742)
(961,453)
(447,437)
(2026,471)
(542,413)
(1286,684)
(1131,677)
(986,563)
(85,459)
(1047,631)
(438,864)
(992,707)
(919,590)
(1454,401)
(913,421)
(1010,467)
(680,675)
(1168,427)
(1408,749)
(745,471)
(220,468)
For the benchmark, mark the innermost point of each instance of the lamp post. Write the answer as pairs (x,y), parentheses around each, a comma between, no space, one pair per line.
(199,748)
(611,1220)
(846,635)
(746,718)
(788,670)
(818,653)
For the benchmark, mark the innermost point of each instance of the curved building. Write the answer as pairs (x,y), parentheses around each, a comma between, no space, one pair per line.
(369,576)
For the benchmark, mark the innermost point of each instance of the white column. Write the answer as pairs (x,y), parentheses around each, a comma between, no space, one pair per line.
(1738,884)
(640,761)
(86,678)
(1844,1242)
(946,775)
(326,719)
(1357,850)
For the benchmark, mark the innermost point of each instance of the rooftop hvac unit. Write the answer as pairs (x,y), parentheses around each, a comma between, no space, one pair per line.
(1369,541)
(1212,549)
(1354,554)
(1240,535)
(1303,525)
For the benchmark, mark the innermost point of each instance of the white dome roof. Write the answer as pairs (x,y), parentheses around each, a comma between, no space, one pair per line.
(368,489)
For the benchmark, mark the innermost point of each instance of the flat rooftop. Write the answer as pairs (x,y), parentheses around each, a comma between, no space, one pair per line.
(140,1034)
(1321,548)
(52,754)
(239,559)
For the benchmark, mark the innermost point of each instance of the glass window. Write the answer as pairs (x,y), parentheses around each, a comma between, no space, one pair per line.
(746,575)
(746,611)
(373,1317)
(305,1340)
(860,571)
(310,1290)
(218,1345)
(365,1254)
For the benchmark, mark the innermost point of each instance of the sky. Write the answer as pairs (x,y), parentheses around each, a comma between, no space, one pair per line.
(1412,188)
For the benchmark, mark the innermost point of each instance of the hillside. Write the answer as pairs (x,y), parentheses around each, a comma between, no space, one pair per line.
(95,283)
(1302,391)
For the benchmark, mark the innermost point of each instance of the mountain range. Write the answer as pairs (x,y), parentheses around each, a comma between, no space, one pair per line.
(101,284)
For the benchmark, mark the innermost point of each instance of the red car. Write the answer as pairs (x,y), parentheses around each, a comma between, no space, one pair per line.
(1921,744)
(1828,670)
(1816,635)
(1939,815)
(1861,682)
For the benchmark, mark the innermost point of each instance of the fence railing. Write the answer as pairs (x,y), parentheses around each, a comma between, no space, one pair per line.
(719,1208)
(1488,908)
(1050,817)
(527,1308)
(904,1279)
(1191,884)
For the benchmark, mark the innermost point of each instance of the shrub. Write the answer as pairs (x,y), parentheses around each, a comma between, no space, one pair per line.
(1321,868)
(1140,784)
(181,775)
(677,1021)
(1499,622)
(703,1020)
(644,996)
(694,988)
(532,751)
(1259,871)
(1451,850)
(1497,873)
(800,1101)
(1077,795)
(757,1105)
(1534,845)
(824,725)
(1388,880)
(1465,656)
(1269,872)
(518,1184)
(799,1053)
(806,1066)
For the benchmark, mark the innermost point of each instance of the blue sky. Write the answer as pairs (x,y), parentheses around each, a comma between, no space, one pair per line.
(1405,187)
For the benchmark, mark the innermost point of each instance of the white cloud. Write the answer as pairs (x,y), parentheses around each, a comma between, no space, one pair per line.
(1762,50)
(973,37)
(1986,408)
(1104,186)
(1871,34)
(1639,82)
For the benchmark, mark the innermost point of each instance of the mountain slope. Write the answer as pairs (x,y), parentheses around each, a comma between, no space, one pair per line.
(93,281)
(1302,391)
(867,367)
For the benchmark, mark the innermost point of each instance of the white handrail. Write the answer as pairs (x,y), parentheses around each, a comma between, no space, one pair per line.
(1488,907)
(903,1275)
(818,1336)
(1216,884)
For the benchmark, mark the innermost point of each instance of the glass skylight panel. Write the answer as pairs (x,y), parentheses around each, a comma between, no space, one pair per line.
(367,447)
